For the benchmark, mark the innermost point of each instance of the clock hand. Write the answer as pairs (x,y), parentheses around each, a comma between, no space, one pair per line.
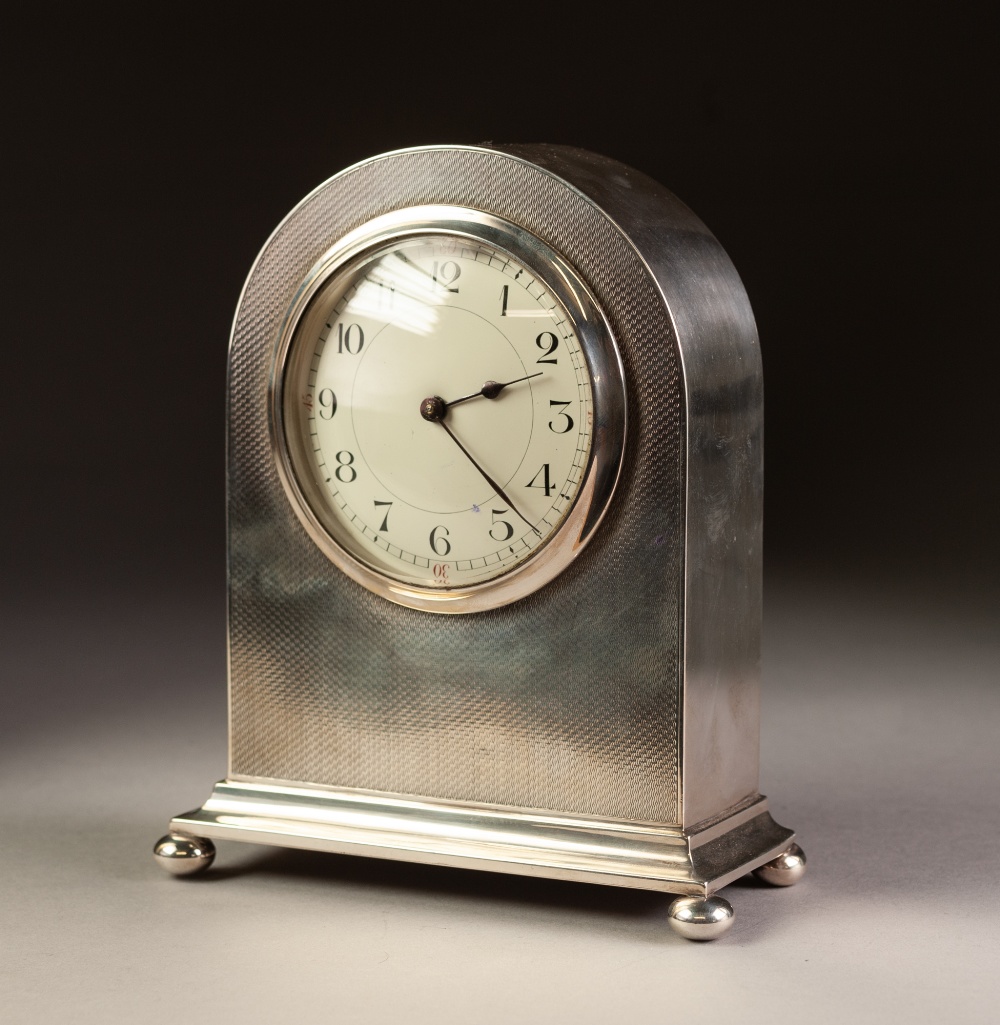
(491,389)
(434,410)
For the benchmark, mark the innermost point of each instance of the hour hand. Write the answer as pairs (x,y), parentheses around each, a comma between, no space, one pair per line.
(491,389)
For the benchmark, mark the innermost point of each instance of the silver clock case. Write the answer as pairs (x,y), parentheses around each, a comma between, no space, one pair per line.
(604,727)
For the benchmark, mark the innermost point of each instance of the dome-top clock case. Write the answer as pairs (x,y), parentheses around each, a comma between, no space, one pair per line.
(589,709)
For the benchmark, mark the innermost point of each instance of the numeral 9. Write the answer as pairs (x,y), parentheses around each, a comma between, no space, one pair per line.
(327,403)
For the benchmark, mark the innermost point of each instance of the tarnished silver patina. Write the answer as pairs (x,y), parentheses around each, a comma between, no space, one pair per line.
(602,722)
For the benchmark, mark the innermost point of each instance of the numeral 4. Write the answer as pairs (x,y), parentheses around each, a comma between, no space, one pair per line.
(547,486)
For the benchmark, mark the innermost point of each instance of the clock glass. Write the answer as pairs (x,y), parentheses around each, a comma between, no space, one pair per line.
(438,410)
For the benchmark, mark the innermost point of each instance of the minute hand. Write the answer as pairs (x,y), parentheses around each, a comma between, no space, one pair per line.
(489,480)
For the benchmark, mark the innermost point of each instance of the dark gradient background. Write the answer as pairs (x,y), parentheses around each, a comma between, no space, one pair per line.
(848,168)
(847,162)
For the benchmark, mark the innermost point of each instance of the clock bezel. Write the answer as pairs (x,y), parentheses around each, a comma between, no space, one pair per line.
(608,389)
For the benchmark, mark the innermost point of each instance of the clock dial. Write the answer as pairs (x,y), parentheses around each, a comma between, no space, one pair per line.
(438,410)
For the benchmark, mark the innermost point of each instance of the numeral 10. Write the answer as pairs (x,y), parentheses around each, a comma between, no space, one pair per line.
(350,339)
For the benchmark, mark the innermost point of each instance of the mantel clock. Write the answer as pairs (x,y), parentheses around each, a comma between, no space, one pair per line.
(495,498)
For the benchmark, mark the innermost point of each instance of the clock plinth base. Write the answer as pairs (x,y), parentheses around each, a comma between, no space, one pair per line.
(493,838)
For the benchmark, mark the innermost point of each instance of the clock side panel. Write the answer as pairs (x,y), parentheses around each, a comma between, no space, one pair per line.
(567,700)
(723,523)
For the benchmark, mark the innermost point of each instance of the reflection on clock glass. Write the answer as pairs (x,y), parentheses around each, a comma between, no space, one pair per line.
(438,409)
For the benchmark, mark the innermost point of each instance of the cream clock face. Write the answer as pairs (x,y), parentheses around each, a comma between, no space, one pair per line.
(438,410)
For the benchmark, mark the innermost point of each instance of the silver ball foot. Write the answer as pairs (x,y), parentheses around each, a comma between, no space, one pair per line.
(784,870)
(184,855)
(701,918)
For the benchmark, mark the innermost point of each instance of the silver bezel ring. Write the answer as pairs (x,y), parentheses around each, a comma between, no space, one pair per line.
(609,403)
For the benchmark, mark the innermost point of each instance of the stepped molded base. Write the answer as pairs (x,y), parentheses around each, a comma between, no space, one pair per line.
(496,839)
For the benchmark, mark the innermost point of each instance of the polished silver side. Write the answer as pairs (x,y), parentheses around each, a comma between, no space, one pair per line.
(491,838)
(716,340)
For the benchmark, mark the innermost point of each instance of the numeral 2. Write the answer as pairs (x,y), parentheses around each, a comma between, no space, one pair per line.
(548,343)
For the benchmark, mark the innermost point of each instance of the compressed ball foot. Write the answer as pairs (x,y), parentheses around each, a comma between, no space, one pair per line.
(784,870)
(701,918)
(184,855)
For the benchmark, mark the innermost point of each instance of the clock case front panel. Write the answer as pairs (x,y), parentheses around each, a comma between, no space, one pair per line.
(605,727)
